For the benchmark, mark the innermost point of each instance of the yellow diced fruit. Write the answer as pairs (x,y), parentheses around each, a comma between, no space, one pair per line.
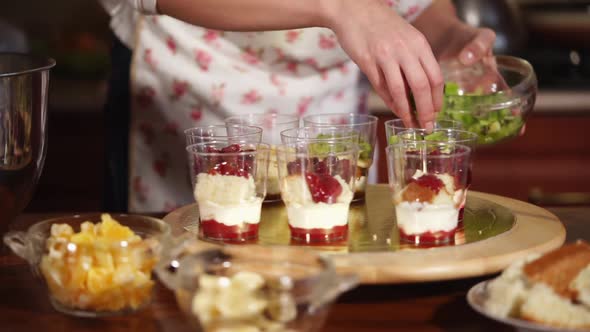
(87,227)
(82,238)
(99,280)
(123,275)
(104,259)
(111,229)
(78,275)
(61,230)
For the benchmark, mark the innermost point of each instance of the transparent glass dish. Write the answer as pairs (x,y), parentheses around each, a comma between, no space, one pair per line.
(90,270)
(492,98)
(252,288)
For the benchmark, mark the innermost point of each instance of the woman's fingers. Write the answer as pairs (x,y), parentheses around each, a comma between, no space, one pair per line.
(432,69)
(478,47)
(421,90)
(397,90)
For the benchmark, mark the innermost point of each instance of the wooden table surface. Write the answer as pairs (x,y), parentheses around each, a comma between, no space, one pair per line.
(438,306)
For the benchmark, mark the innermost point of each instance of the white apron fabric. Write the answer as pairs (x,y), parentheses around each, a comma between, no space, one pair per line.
(184,76)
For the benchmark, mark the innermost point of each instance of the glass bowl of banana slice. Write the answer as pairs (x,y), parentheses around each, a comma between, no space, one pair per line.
(253,288)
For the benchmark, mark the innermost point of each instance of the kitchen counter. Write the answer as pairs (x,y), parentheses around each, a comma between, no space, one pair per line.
(437,306)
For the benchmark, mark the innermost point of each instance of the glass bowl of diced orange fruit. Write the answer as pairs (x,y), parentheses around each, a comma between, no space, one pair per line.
(95,264)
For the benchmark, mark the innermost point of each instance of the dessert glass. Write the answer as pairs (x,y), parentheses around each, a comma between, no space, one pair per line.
(272,125)
(232,133)
(253,288)
(317,188)
(229,187)
(366,128)
(396,126)
(318,135)
(428,182)
(451,136)
(90,277)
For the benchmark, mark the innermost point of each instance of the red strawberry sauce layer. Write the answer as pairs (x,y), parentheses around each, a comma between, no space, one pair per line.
(440,237)
(319,235)
(217,231)
(324,188)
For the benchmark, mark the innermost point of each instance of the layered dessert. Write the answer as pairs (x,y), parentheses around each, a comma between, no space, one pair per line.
(552,289)
(229,206)
(317,202)
(427,208)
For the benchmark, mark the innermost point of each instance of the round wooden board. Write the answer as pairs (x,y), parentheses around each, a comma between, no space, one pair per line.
(535,230)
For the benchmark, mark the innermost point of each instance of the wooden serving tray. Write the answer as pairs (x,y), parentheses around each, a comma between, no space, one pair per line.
(496,231)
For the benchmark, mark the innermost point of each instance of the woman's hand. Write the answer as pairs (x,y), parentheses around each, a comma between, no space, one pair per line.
(394,55)
(467,43)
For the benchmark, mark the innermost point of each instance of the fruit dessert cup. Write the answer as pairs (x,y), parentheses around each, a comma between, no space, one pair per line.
(428,182)
(365,126)
(317,191)
(320,139)
(229,187)
(447,135)
(272,125)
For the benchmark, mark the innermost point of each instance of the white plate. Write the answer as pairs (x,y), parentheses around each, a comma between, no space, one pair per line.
(476,297)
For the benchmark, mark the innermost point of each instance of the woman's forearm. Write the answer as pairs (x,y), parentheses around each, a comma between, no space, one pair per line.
(251,15)
(436,22)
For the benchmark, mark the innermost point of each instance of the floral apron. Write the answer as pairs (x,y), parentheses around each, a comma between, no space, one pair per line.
(184,76)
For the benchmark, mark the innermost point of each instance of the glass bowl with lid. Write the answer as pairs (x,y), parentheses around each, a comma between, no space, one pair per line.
(492,98)
(253,287)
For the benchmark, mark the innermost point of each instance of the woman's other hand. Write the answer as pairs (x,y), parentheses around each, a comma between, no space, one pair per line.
(394,55)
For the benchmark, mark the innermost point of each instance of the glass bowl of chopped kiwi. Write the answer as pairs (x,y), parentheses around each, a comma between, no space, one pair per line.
(492,98)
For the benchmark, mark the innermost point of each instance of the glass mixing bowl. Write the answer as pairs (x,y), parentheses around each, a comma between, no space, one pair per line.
(91,269)
(253,288)
(492,98)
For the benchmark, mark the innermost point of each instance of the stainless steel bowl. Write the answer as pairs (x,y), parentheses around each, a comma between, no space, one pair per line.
(24,81)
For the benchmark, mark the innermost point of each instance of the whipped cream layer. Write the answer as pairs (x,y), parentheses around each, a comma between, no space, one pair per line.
(417,218)
(303,212)
(227,199)
(439,214)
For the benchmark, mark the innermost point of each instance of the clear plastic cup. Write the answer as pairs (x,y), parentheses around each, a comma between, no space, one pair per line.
(234,133)
(317,188)
(229,187)
(318,135)
(452,136)
(396,126)
(428,181)
(366,127)
(272,125)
